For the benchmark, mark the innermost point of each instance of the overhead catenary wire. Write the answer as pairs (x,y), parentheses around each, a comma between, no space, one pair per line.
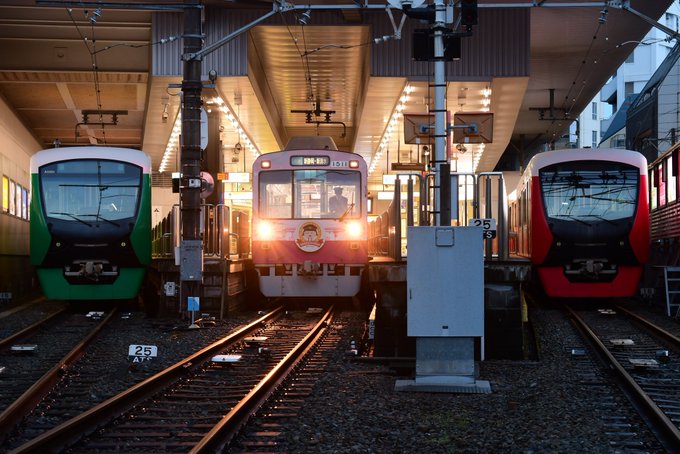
(93,52)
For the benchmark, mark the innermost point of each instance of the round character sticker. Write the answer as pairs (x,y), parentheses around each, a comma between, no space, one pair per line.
(310,237)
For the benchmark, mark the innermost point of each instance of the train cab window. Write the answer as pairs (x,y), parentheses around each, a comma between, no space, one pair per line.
(589,192)
(327,194)
(275,194)
(90,190)
(309,194)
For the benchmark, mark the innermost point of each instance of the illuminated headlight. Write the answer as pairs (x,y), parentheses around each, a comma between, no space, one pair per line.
(354,229)
(265,230)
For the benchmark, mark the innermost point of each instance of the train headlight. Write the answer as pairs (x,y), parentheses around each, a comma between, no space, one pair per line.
(265,230)
(354,229)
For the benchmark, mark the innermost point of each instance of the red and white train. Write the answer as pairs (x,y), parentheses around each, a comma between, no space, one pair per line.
(582,217)
(310,220)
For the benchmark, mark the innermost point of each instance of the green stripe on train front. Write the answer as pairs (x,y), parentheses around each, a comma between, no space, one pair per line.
(140,237)
(40,238)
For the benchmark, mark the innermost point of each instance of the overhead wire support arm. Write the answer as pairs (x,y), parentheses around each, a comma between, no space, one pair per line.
(625,5)
(278,7)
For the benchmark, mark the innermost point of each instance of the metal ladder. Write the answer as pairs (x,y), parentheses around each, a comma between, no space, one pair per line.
(671,275)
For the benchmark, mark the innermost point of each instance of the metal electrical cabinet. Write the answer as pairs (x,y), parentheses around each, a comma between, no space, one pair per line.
(445,282)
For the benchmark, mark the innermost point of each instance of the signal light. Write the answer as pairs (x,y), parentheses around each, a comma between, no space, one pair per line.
(266,164)
(468,12)
(354,164)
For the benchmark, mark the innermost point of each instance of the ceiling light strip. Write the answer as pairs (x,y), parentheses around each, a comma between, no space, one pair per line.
(235,121)
(173,143)
(390,127)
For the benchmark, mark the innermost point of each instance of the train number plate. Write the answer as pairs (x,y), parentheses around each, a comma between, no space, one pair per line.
(139,353)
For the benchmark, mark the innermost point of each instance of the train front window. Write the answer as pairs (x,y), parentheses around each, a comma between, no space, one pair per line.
(276,194)
(590,191)
(90,190)
(310,194)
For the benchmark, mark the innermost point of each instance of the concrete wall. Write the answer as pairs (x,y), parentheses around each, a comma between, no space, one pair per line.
(17,145)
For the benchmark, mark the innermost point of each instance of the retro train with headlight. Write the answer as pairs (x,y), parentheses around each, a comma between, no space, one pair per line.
(309,220)
(90,222)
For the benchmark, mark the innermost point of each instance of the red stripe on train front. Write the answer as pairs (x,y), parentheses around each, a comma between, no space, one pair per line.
(271,252)
(639,233)
(555,284)
(540,234)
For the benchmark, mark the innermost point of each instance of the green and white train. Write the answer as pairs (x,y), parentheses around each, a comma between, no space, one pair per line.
(90,222)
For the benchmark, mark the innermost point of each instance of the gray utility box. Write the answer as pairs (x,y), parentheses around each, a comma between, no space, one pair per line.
(445,282)
(191,265)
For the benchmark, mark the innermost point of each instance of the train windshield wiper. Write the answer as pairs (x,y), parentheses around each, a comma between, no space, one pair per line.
(72,216)
(102,218)
(575,218)
(347,211)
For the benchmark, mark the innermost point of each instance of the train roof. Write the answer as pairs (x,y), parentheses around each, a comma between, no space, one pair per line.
(547,158)
(672,150)
(50,155)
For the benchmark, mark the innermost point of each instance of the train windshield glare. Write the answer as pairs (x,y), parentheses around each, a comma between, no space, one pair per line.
(596,192)
(309,194)
(90,190)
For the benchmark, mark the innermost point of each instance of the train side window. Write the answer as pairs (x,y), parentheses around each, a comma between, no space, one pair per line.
(671,178)
(653,190)
(19,189)
(12,197)
(5,194)
(662,184)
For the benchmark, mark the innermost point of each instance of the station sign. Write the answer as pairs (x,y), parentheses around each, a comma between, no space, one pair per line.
(234,177)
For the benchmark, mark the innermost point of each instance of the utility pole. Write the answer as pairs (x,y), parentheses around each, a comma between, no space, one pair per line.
(442,193)
(191,245)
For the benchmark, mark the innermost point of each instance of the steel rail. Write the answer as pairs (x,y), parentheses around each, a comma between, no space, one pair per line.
(225,430)
(666,428)
(69,432)
(654,329)
(29,329)
(22,406)
(21,307)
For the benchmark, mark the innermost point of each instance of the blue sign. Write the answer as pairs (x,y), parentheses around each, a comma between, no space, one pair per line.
(193,303)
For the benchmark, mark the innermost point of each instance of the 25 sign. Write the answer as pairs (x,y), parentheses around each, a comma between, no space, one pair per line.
(139,353)
(488,224)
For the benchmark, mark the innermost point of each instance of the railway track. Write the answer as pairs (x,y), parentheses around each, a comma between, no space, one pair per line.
(265,431)
(19,320)
(645,361)
(34,358)
(182,407)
